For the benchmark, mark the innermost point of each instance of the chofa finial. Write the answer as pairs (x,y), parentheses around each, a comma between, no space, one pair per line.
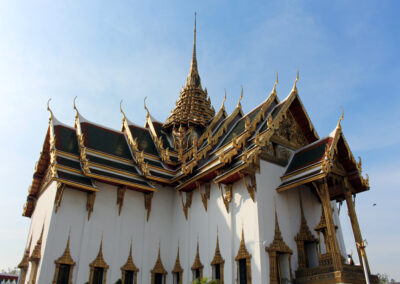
(145,107)
(75,108)
(340,119)
(224,100)
(295,82)
(276,83)
(49,109)
(241,97)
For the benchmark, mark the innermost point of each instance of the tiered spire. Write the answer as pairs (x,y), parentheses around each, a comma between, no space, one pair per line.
(193,106)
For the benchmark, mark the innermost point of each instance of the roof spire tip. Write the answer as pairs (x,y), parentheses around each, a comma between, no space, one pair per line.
(48,108)
(340,119)
(295,82)
(241,97)
(75,108)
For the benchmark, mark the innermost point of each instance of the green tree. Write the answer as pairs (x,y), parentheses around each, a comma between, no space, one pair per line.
(205,281)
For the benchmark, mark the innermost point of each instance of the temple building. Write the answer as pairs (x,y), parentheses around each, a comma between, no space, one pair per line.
(242,198)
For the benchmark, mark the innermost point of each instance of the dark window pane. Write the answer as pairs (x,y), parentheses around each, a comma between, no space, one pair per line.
(242,271)
(63,274)
(217,269)
(176,278)
(196,274)
(98,275)
(158,278)
(129,276)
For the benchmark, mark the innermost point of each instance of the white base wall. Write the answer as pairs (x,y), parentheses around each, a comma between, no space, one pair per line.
(167,227)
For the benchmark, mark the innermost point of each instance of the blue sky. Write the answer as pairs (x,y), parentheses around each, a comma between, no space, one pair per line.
(105,51)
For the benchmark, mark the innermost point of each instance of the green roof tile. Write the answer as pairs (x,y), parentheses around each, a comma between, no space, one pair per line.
(106,141)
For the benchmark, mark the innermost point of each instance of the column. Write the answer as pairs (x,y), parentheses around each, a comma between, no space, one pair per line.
(355,226)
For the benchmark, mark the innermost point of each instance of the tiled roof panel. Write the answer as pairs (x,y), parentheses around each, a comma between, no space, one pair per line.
(144,140)
(75,178)
(112,164)
(66,139)
(308,155)
(107,141)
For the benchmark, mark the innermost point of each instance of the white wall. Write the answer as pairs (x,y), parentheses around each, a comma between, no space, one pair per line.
(167,226)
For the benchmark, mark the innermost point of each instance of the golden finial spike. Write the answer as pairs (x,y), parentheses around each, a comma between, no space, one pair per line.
(276,83)
(49,109)
(223,101)
(340,119)
(145,107)
(295,82)
(241,97)
(75,108)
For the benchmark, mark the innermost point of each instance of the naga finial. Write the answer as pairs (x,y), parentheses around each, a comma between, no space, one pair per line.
(223,101)
(75,108)
(276,83)
(49,109)
(295,82)
(241,97)
(340,119)
(145,107)
(120,108)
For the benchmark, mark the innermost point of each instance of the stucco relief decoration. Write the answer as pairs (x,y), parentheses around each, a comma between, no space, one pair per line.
(227,196)
(65,258)
(206,195)
(91,196)
(243,253)
(148,197)
(187,203)
(129,266)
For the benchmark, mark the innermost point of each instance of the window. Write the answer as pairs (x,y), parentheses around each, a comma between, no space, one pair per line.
(158,278)
(63,274)
(98,273)
(217,272)
(196,274)
(242,271)
(129,277)
(243,264)
(176,278)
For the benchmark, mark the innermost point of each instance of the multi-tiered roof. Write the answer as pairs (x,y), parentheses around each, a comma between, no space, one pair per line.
(194,146)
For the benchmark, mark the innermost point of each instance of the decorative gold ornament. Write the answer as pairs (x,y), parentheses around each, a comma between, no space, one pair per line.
(252,187)
(23,265)
(243,254)
(59,195)
(227,197)
(120,198)
(206,195)
(186,204)
(218,260)
(148,197)
(277,246)
(36,256)
(197,265)
(65,259)
(129,266)
(158,268)
(100,263)
(303,236)
(91,196)
(177,267)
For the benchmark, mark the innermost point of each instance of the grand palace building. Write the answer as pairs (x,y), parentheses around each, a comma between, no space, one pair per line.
(238,197)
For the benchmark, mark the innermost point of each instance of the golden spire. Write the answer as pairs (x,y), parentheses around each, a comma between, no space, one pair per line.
(193,106)
(193,79)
